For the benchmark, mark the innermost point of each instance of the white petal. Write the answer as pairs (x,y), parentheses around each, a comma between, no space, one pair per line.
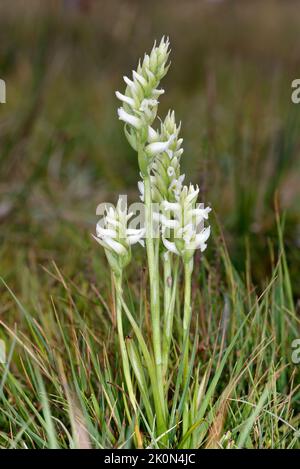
(166,256)
(139,78)
(134,231)
(130,215)
(157,92)
(152,134)
(147,103)
(128,81)
(169,223)
(175,206)
(201,212)
(134,238)
(104,232)
(189,228)
(156,216)
(112,221)
(115,246)
(176,184)
(111,212)
(129,118)
(158,147)
(193,194)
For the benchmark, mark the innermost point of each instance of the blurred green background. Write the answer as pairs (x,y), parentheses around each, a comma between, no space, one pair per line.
(62,148)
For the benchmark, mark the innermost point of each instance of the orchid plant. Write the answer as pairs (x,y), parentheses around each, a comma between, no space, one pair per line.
(181,231)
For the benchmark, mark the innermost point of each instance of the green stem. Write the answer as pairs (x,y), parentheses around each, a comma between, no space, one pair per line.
(188,269)
(154,285)
(124,355)
(158,403)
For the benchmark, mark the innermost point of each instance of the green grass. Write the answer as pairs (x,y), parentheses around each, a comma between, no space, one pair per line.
(62,152)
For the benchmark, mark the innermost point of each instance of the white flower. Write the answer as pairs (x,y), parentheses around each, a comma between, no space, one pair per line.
(175,206)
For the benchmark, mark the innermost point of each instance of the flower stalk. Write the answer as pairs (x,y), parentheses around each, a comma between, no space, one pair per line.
(170,286)
(154,287)
(180,232)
